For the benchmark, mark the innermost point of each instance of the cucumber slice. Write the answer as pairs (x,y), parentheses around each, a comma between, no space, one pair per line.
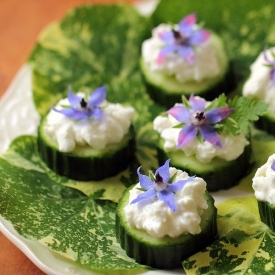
(86,163)
(267,123)
(218,174)
(166,90)
(166,252)
(267,213)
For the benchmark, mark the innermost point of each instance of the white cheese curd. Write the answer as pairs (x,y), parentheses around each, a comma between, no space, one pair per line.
(159,220)
(204,151)
(206,63)
(264,182)
(110,128)
(258,84)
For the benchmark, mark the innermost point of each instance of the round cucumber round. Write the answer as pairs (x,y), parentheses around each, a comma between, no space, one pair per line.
(166,90)
(166,252)
(218,174)
(86,163)
(267,213)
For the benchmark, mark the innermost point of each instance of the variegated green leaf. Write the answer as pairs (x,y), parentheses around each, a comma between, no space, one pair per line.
(72,224)
(246,245)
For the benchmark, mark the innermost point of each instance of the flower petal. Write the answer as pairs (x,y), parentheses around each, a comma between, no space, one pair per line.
(197,103)
(175,187)
(149,194)
(187,53)
(180,113)
(72,113)
(165,51)
(186,25)
(98,96)
(198,37)
(164,171)
(187,133)
(272,76)
(168,198)
(145,181)
(209,134)
(95,112)
(74,99)
(167,36)
(218,114)
(273,165)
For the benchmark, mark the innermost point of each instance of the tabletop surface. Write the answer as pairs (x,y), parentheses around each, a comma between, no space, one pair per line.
(20,24)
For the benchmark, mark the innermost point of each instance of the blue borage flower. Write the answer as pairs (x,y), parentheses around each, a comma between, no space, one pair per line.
(183,40)
(271,64)
(81,108)
(273,165)
(158,186)
(197,120)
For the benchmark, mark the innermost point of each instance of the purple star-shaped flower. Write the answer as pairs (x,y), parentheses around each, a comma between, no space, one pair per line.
(160,188)
(273,165)
(183,40)
(271,64)
(198,120)
(82,109)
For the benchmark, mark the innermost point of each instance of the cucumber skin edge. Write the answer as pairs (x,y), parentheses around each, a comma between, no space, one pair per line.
(158,95)
(267,213)
(170,256)
(217,180)
(86,168)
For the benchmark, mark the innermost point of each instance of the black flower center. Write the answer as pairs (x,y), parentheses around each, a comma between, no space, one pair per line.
(83,103)
(159,184)
(200,116)
(180,39)
(158,179)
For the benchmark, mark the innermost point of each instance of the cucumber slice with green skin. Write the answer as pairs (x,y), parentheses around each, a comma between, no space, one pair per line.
(218,174)
(267,123)
(167,91)
(166,252)
(267,213)
(86,163)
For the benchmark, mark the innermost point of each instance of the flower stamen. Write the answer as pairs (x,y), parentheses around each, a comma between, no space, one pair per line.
(200,116)
(83,103)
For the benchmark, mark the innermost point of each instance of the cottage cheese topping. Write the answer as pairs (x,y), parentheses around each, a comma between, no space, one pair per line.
(232,146)
(157,218)
(258,84)
(264,182)
(206,64)
(69,133)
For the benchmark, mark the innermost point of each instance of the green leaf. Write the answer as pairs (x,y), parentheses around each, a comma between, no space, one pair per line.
(151,175)
(70,223)
(87,50)
(246,110)
(172,178)
(245,244)
(220,101)
(185,101)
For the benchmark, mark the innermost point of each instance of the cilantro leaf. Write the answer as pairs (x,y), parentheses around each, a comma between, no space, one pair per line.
(247,110)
